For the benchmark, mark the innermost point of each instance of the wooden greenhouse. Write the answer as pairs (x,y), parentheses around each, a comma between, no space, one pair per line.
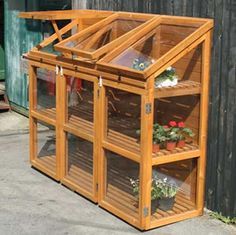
(118,110)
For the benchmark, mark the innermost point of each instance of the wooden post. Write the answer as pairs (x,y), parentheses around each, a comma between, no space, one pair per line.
(59,130)
(61,120)
(102,168)
(32,124)
(206,52)
(146,155)
(97,139)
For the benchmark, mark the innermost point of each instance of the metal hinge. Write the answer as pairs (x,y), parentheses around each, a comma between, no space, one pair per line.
(97,187)
(148,108)
(98,93)
(145,211)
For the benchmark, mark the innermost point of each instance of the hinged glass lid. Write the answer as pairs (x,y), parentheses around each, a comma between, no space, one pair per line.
(145,52)
(102,37)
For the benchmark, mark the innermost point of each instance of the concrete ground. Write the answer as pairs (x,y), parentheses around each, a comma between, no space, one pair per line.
(32,203)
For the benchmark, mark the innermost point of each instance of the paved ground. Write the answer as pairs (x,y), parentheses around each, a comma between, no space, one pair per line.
(31,203)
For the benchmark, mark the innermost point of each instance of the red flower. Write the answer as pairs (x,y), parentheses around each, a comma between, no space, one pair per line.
(172,123)
(165,127)
(181,124)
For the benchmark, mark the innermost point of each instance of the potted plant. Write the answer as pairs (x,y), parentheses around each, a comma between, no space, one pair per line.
(171,135)
(163,192)
(167,78)
(183,132)
(158,136)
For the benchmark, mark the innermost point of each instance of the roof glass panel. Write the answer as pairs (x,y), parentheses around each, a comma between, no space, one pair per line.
(148,49)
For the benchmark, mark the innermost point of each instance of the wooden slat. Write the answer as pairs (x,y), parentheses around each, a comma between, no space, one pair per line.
(165,156)
(48,162)
(64,14)
(43,117)
(38,165)
(182,88)
(122,151)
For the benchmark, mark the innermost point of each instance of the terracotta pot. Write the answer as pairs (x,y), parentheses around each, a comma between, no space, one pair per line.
(170,146)
(155,148)
(181,144)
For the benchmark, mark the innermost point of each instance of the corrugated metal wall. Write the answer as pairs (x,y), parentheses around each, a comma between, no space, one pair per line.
(221,169)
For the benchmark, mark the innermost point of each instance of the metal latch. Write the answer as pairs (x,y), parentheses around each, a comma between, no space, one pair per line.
(57,70)
(61,70)
(100,81)
(148,108)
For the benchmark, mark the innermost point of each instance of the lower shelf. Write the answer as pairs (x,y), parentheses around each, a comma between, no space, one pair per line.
(122,200)
(80,171)
(48,162)
(50,113)
(181,205)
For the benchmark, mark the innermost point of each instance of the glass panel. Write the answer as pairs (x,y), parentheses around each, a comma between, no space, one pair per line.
(108,33)
(119,191)
(176,124)
(80,103)
(46,145)
(46,92)
(173,188)
(79,164)
(152,46)
(123,122)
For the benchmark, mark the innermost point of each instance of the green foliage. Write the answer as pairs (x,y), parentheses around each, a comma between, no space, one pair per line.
(172,134)
(158,134)
(224,219)
(161,133)
(140,64)
(168,74)
(161,188)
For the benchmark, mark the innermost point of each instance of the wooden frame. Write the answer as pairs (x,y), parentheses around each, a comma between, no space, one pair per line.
(96,33)
(201,25)
(130,95)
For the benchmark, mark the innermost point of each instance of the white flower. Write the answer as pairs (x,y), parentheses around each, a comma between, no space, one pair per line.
(169,68)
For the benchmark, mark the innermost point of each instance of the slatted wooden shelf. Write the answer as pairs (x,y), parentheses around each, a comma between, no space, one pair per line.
(48,162)
(119,139)
(80,170)
(182,88)
(181,205)
(119,192)
(165,156)
(50,113)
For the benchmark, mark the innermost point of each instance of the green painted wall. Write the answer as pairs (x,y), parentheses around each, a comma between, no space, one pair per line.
(20,36)
(2,61)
